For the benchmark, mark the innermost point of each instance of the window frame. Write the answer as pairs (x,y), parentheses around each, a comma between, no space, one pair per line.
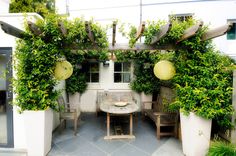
(122,72)
(233,27)
(90,72)
(184,16)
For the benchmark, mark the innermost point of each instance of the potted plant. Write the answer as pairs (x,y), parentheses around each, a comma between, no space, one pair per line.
(204,92)
(34,83)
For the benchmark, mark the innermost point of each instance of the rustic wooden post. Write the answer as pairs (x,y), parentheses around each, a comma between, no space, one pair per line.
(233,131)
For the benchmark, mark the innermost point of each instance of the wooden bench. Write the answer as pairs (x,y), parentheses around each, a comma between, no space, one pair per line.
(166,121)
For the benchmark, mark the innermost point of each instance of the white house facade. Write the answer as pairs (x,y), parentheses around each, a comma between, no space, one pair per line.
(212,12)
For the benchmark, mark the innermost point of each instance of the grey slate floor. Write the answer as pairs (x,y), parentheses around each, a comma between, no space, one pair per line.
(90,140)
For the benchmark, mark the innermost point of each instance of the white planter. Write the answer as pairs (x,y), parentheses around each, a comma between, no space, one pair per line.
(145,97)
(38,128)
(196,132)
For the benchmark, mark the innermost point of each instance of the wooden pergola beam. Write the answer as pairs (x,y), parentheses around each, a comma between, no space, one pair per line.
(34,28)
(191,31)
(219,31)
(140,31)
(114,33)
(11,30)
(125,46)
(62,28)
(89,31)
(139,46)
(162,33)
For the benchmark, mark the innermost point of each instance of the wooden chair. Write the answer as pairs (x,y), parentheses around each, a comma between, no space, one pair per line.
(68,112)
(165,120)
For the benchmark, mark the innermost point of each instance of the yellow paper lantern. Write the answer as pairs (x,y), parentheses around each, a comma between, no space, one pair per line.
(63,70)
(164,70)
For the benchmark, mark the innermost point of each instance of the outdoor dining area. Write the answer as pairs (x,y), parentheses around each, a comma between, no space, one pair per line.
(92,130)
(108,115)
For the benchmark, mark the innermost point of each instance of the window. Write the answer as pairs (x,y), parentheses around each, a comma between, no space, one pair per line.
(181,17)
(92,71)
(231,34)
(122,72)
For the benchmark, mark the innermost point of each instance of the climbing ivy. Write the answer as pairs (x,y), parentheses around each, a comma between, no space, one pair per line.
(36,56)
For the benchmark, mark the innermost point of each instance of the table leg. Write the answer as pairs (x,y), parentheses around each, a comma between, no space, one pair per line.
(108,124)
(131,124)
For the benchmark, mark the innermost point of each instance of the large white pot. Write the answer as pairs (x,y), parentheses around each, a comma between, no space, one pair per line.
(38,128)
(196,132)
(145,97)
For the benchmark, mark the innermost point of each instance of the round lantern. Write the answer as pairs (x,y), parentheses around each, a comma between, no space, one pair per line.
(164,70)
(63,70)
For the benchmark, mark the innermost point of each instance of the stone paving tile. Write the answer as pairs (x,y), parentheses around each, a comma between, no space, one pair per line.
(90,140)
(129,150)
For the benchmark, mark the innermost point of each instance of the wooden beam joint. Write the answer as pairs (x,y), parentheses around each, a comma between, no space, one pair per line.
(191,31)
(161,33)
(140,31)
(34,29)
(219,31)
(89,32)
(114,33)
(11,30)
(62,28)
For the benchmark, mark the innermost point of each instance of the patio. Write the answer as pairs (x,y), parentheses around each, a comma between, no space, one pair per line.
(90,140)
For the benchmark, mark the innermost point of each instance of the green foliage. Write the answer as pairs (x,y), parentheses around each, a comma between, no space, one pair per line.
(132,36)
(42,7)
(153,27)
(203,83)
(220,148)
(36,56)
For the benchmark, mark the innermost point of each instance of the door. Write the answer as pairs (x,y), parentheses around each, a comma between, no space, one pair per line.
(6,114)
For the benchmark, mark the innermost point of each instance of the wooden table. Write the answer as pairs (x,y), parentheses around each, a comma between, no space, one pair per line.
(129,109)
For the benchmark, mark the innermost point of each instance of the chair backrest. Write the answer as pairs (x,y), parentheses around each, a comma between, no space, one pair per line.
(61,102)
(164,98)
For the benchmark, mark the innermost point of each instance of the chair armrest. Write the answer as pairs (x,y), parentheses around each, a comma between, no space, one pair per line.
(148,104)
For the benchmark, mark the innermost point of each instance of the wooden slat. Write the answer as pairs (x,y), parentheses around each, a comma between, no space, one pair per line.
(114,33)
(11,30)
(119,137)
(62,28)
(162,33)
(140,46)
(213,33)
(89,32)
(191,31)
(125,46)
(34,28)
(140,31)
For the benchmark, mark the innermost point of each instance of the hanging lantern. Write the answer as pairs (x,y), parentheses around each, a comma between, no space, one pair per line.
(164,70)
(63,70)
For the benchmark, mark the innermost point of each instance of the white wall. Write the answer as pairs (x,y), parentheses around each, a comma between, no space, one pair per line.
(106,77)
(211,12)
(17,20)
(4,6)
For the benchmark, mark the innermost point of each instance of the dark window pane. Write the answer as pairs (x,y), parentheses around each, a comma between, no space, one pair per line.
(126,66)
(231,34)
(94,67)
(126,77)
(87,77)
(94,77)
(117,67)
(117,77)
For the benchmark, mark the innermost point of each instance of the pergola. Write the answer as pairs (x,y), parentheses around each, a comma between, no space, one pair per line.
(164,30)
